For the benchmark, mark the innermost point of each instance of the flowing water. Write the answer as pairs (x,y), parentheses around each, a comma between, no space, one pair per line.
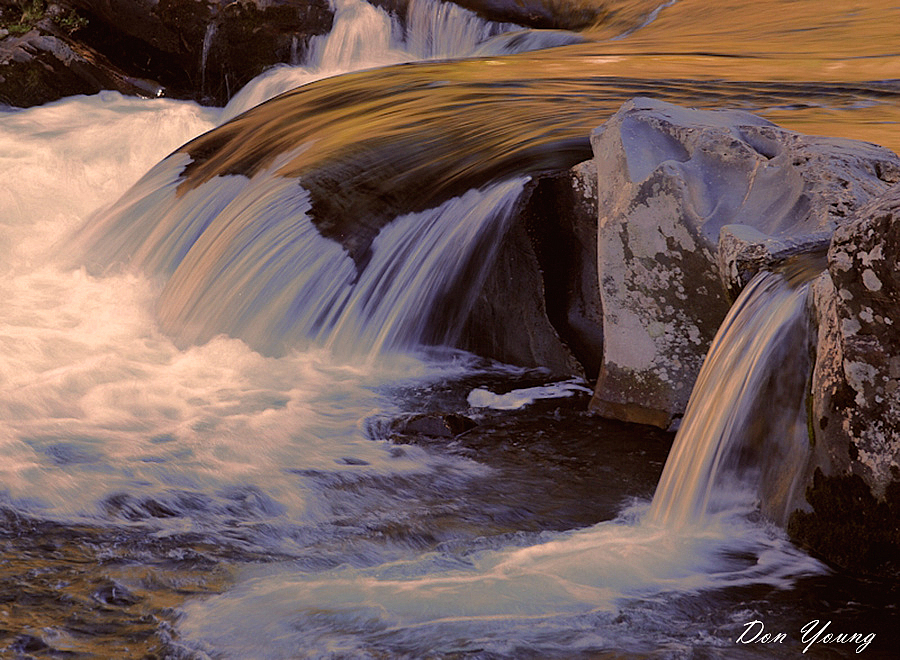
(746,412)
(199,413)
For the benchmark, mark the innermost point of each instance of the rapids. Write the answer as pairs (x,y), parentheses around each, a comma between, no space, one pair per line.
(203,370)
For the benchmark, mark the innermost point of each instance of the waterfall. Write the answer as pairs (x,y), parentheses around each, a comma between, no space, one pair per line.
(360,37)
(742,415)
(243,258)
(267,276)
(745,421)
(294,58)
(364,36)
(208,38)
(438,29)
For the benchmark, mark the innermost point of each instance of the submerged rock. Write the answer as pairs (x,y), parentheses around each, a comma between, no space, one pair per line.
(855,400)
(434,425)
(670,182)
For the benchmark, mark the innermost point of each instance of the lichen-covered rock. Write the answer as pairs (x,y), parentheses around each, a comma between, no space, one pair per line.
(669,180)
(856,383)
(744,251)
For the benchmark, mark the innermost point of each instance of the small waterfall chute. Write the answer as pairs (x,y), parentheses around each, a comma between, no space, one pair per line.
(437,30)
(746,411)
(208,38)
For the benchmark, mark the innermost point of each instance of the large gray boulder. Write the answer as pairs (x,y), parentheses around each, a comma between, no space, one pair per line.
(671,181)
(854,492)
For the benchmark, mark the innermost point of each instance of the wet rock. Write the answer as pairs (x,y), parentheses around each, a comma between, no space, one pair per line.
(246,38)
(434,424)
(544,14)
(38,67)
(855,401)
(669,181)
(856,384)
(561,220)
(29,644)
(744,251)
(539,306)
(849,526)
(198,49)
(113,593)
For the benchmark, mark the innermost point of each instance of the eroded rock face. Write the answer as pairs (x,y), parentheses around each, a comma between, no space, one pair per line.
(39,67)
(669,180)
(856,387)
(539,306)
(204,50)
(855,404)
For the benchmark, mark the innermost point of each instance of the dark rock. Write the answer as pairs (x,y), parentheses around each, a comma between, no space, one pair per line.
(552,14)
(198,49)
(349,460)
(671,181)
(246,38)
(539,306)
(435,425)
(29,644)
(848,526)
(113,593)
(561,220)
(38,67)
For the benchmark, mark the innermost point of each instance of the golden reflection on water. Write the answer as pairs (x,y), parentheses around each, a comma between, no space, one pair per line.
(789,30)
(87,597)
(802,63)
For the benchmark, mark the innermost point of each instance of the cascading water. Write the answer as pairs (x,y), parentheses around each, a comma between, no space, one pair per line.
(746,412)
(220,502)
(437,30)
(364,36)
(694,536)
(244,258)
(208,38)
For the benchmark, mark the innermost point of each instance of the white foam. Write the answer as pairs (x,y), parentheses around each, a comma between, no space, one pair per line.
(516,399)
(64,159)
(97,405)
(532,597)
